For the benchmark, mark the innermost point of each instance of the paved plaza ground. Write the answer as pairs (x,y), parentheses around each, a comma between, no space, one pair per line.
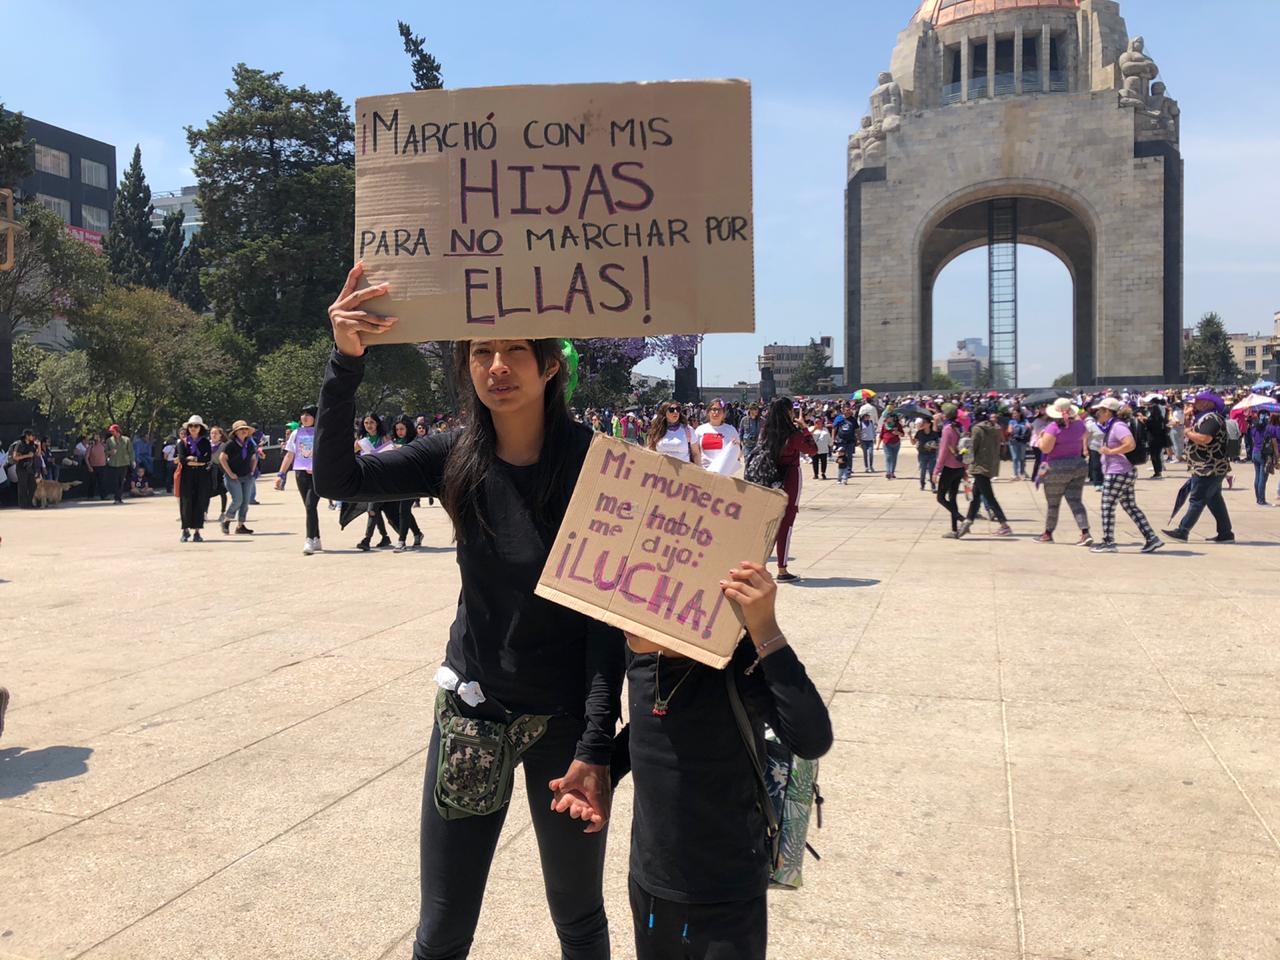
(216,750)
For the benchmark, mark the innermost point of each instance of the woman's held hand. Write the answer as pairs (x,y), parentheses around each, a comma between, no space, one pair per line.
(585,793)
(351,324)
(752,588)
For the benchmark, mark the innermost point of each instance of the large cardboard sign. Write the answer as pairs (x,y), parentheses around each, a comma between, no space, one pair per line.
(646,541)
(600,210)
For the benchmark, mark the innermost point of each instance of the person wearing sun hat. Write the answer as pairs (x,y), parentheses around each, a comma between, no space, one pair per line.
(1206,447)
(1065,445)
(1118,477)
(194,453)
(237,460)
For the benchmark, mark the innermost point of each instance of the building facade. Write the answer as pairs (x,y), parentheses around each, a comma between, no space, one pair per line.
(784,358)
(1258,354)
(166,201)
(75,177)
(1017,122)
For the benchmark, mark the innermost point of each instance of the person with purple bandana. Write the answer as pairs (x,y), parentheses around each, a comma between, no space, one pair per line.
(1118,477)
(1206,446)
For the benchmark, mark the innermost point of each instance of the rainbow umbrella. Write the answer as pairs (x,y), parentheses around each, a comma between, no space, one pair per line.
(863,394)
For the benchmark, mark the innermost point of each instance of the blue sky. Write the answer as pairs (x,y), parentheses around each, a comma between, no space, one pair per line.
(138,72)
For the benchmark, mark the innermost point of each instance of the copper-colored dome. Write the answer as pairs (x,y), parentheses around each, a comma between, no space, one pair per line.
(939,12)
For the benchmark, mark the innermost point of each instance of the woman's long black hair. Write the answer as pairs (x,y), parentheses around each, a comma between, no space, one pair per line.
(473,454)
(777,430)
(382,432)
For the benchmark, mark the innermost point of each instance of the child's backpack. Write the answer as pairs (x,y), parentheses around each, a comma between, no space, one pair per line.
(789,796)
(761,468)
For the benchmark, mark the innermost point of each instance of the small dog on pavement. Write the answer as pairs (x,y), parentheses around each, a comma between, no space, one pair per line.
(49,492)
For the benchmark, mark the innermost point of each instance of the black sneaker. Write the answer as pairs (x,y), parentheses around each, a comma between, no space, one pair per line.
(1152,545)
(1175,535)
(185,537)
(363,545)
(226,527)
(417,540)
(196,538)
(1223,538)
(786,578)
(384,543)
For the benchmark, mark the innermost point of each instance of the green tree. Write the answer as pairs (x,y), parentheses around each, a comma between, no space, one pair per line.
(813,369)
(1064,380)
(289,377)
(61,388)
(397,379)
(54,274)
(275,170)
(15,149)
(184,280)
(143,348)
(1208,357)
(426,68)
(942,381)
(168,248)
(130,245)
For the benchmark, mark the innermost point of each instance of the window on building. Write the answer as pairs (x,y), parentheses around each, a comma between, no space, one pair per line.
(1266,349)
(93,173)
(49,160)
(1250,351)
(59,206)
(1251,365)
(95,218)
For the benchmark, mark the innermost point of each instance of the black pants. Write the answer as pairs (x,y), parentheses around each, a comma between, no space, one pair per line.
(820,462)
(666,930)
(407,523)
(375,521)
(1156,452)
(982,488)
(456,856)
(949,492)
(307,490)
(115,479)
(26,484)
(193,501)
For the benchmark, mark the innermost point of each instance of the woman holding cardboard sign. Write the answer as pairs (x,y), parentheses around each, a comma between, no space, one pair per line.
(524,681)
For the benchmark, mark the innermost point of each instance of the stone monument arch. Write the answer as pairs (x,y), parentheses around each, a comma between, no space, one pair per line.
(1037,123)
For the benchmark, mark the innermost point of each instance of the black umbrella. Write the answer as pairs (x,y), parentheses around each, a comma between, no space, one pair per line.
(1183,492)
(910,411)
(1045,396)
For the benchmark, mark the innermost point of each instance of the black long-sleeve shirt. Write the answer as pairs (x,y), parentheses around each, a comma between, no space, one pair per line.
(698,834)
(527,653)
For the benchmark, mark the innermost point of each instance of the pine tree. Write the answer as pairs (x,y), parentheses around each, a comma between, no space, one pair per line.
(426,68)
(168,248)
(130,245)
(1208,358)
(184,280)
(813,369)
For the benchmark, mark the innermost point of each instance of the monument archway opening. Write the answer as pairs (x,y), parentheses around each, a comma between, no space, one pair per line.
(1001,226)
(1045,300)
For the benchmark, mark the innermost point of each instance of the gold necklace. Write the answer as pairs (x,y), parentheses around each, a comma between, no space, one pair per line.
(660,702)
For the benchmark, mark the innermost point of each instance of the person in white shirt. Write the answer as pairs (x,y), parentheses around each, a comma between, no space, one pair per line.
(719,443)
(670,434)
(822,438)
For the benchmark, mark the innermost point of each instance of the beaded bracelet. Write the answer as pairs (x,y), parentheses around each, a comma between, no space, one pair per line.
(760,653)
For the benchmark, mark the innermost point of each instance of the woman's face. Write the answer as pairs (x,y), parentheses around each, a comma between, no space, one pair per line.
(421,429)
(715,414)
(505,374)
(370,425)
(672,414)
(308,420)
(216,435)
(402,430)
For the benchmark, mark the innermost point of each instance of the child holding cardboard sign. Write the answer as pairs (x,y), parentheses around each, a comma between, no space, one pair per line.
(700,857)
(524,681)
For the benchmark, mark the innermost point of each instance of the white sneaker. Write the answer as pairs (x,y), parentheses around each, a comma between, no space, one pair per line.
(308,547)
(315,545)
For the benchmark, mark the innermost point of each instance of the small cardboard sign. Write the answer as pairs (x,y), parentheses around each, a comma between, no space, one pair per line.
(647,540)
(576,210)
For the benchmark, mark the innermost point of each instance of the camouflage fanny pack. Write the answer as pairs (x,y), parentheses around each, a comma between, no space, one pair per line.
(474,771)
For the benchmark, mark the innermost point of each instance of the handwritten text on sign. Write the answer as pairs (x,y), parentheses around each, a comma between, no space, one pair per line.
(648,538)
(610,210)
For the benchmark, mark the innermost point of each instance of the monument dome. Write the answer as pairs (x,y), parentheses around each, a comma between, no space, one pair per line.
(939,12)
(1008,122)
